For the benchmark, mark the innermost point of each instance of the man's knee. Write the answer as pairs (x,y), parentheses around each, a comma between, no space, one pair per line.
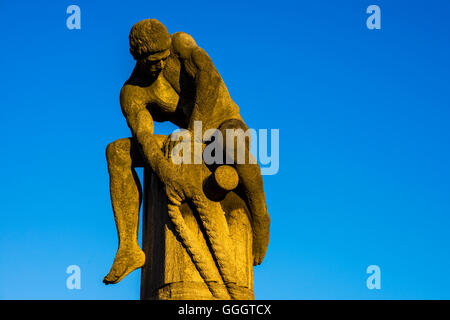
(118,153)
(233,124)
(236,142)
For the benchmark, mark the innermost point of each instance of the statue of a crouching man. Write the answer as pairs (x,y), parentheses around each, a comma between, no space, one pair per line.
(175,80)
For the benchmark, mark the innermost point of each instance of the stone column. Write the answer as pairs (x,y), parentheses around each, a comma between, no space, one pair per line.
(169,272)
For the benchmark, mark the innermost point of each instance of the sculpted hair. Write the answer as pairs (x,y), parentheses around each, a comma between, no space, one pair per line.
(148,36)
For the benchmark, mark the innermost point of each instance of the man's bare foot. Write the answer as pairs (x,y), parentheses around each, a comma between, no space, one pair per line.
(126,261)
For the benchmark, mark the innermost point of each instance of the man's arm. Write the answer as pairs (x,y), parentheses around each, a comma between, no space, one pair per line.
(207,80)
(140,122)
(134,108)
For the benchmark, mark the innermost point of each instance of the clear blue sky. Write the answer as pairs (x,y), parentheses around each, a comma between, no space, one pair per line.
(363,116)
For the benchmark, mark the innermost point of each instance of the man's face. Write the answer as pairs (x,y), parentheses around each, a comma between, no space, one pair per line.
(154,63)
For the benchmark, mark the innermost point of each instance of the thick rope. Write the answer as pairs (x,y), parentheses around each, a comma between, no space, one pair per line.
(193,248)
(211,213)
(219,248)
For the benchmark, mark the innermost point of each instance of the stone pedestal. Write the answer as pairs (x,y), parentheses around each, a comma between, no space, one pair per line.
(169,272)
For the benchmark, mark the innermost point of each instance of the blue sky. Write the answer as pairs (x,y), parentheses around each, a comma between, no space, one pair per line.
(364,140)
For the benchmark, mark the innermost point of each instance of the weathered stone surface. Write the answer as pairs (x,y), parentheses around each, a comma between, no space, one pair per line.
(226,178)
(171,273)
(204,226)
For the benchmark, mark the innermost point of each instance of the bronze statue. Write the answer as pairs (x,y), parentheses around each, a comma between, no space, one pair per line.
(175,80)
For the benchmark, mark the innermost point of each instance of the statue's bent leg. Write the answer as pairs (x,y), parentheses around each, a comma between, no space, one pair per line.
(123,156)
(251,187)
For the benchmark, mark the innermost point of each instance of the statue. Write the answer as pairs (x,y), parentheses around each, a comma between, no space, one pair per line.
(175,80)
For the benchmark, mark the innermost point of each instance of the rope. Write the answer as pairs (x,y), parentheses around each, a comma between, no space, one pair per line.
(219,248)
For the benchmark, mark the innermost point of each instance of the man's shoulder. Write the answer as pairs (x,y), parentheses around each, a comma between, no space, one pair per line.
(130,90)
(183,45)
(132,93)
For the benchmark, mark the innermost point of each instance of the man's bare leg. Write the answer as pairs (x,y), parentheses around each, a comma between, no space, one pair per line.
(126,194)
(251,184)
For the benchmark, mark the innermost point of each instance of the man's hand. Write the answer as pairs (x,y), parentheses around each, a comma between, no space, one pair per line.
(181,185)
(168,146)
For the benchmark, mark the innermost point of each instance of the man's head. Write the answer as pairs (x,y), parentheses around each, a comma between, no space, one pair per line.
(150,44)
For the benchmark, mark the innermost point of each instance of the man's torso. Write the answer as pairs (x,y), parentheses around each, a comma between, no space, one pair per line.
(171,97)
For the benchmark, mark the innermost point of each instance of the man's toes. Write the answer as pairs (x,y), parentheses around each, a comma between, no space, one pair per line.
(107,280)
(257,261)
